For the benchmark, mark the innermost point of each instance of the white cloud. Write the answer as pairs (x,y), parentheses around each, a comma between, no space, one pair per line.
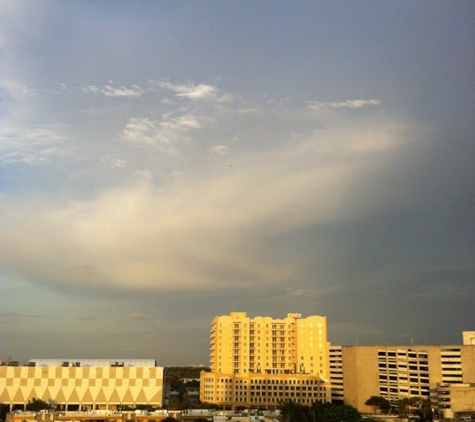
(140,131)
(190,90)
(17,91)
(145,173)
(34,145)
(113,162)
(169,130)
(211,228)
(352,140)
(351,104)
(180,122)
(133,91)
(218,149)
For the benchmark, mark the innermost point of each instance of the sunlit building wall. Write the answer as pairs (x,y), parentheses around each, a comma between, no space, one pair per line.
(452,400)
(83,383)
(261,361)
(395,372)
(468,337)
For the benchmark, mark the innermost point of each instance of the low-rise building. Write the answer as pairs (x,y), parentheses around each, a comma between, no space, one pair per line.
(83,383)
(262,390)
(452,400)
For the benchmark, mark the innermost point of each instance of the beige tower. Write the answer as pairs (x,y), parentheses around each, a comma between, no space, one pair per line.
(246,352)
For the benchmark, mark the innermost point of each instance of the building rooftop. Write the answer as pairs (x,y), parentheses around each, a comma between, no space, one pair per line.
(69,362)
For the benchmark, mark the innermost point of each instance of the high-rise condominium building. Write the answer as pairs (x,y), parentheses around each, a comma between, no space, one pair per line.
(263,361)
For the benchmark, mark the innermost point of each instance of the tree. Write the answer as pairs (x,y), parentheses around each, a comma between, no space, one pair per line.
(176,373)
(318,412)
(146,407)
(317,409)
(378,403)
(409,405)
(341,413)
(415,402)
(36,405)
(425,411)
(403,406)
(294,412)
(3,412)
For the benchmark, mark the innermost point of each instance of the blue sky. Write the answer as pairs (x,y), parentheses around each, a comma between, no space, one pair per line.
(162,163)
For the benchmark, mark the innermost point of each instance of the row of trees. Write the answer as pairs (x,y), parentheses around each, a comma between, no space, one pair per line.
(36,405)
(319,412)
(410,406)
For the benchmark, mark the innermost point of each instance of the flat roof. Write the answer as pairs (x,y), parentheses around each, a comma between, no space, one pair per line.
(93,362)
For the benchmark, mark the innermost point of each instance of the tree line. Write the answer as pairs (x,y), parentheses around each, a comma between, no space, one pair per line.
(409,406)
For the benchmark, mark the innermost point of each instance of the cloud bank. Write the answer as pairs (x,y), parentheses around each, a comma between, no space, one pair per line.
(351,104)
(116,91)
(214,227)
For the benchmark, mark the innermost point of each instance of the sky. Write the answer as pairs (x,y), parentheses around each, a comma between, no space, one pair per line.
(165,162)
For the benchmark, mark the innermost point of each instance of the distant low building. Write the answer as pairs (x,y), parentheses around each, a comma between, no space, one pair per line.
(83,383)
